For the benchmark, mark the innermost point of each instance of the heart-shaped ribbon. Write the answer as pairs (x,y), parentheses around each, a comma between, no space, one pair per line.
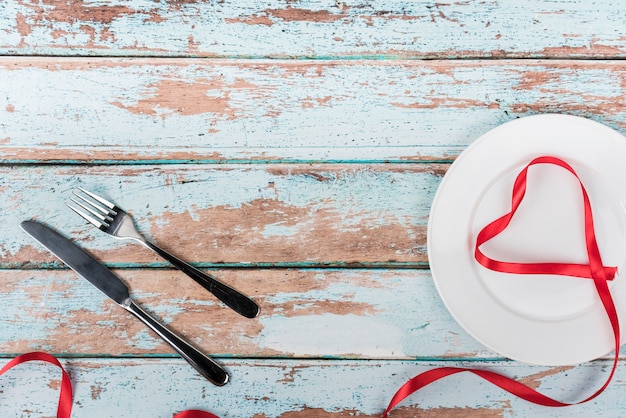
(594,270)
(563,269)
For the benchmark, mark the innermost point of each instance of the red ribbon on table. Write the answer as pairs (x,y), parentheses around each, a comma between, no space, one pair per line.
(65,397)
(595,270)
(194,413)
(64,408)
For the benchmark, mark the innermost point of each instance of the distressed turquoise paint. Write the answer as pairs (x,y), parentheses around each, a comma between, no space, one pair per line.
(321,30)
(299,156)
(55,312)
(277,230)
(352,85)
(401,306)
(277,111)
(354,198)
(160,387)
(345,314)
(145,340)
(21,317)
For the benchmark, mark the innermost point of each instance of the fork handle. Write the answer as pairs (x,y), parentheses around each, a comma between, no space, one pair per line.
(205,365)
(239,302)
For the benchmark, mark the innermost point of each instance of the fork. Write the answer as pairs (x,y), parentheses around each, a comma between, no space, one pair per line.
(111,219)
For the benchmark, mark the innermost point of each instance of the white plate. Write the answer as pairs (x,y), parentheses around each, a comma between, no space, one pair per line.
(539,319)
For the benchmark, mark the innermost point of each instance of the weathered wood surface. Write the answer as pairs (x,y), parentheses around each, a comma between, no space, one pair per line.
(277,214)
(254,139)
(305,388)
(315,29)
(190,110)
(336,313)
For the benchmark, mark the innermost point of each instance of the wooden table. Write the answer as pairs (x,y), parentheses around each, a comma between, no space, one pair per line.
(293,149)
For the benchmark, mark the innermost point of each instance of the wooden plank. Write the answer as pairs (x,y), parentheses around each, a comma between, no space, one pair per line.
(178,110)
(307,388)
(214,141)
(246,215)
(304,313)
(320,29)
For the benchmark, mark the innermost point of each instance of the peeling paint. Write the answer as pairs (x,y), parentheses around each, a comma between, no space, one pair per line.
(185,98)
(63,313)
(216,151)
(283,388)
(278,29)
(237,214)
(286,111)
(535,381)
(292,14)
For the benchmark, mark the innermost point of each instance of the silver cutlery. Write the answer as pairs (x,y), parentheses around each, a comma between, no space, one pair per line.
(116,222)
(89,268)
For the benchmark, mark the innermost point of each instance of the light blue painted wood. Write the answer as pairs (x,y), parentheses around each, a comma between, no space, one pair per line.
(316,29)
(368,314)
(233,213)
(283,111)
(307,388)
(367,97)
(365,314)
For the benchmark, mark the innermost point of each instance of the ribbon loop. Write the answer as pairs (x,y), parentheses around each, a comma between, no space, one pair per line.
(64,408)
(594,270)
(564,269)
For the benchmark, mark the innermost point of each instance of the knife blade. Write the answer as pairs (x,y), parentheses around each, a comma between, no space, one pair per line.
(108,283)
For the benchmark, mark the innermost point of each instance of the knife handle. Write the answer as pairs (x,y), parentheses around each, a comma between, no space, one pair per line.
(238,302)
(205,365)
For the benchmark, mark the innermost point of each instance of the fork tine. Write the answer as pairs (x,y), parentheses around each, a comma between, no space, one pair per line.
(85,216)
(91,206)
(98,198)
(103,215)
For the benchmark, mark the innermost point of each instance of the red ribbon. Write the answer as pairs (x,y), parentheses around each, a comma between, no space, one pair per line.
(594,270)
(65,397)
(64,408)
(563,269)
(194,413)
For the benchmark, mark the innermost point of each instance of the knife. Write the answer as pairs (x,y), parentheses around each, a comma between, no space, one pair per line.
(101,277)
